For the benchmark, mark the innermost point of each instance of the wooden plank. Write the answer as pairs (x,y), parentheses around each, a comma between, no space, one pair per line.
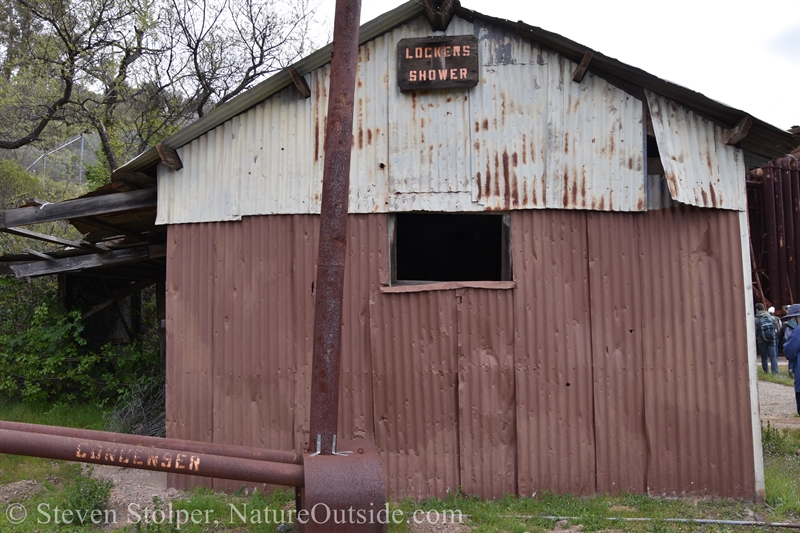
(169,157)
(739,131)
(97,223)
(118,295)
(81,262)
(54,240)
(300,82)
(80,207)
(655,166)
(40,255)
(580,72)
(439,16)
(437,62)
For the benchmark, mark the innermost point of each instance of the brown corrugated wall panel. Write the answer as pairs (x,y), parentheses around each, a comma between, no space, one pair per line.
(415,389)
(555,421)
(256,348)
(617,297)
(189,343)
(486,400)
(365,269)
(697,399)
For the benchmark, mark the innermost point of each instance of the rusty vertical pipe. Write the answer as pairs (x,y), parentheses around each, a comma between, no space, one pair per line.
(333,229)
(790,287)
(783,295)
(794,179)
(771,234)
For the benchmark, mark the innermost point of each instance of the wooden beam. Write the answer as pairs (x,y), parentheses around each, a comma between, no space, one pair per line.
(739,131)
(118,295)
(82,262)
(439,13)
(124,186)
(300,83)
(80,207)
(53,240)
(655,166)
(40,255)
(169,156)
(118,230)
(580,72)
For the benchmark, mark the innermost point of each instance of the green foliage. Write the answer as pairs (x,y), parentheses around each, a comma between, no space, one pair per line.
(45,357)
(153,526)
(86,494)
(779,442)
(16,185)
(98,174)
(780,378)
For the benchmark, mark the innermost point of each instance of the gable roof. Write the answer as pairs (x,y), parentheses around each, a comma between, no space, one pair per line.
(762,143)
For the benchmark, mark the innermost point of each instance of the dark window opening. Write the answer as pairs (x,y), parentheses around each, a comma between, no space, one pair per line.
(451,247)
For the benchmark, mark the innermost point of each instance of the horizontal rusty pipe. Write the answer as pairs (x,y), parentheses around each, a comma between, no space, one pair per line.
(226,450)
(149,458)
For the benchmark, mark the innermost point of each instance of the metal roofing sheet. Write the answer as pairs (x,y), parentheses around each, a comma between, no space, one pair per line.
(700,168)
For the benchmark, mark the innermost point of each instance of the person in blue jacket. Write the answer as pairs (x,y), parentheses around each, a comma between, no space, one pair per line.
(791,349)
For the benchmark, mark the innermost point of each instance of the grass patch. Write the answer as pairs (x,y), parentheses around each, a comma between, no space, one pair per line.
(73,416)
(214,512)
(781,377)
(782,470)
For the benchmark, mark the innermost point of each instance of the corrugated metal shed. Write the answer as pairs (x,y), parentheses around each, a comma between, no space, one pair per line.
(569,379)
(700,168)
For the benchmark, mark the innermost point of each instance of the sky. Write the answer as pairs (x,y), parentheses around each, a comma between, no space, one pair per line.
(743,53)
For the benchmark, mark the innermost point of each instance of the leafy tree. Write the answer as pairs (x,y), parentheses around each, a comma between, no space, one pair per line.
(135,70)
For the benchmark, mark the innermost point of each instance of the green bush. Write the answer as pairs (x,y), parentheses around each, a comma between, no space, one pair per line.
(46,359)
(85,495)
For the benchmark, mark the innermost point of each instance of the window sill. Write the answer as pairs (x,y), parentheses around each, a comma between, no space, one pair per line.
(449,285)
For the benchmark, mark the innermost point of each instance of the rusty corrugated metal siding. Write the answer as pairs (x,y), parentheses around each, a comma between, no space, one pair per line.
(555,433)
(700,168)
(618,310)
(486,392)
(526,137)
(190,390)
(695,354)
(597,372)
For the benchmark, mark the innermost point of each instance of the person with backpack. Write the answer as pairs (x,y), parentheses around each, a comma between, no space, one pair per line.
(791,348)
(766,338)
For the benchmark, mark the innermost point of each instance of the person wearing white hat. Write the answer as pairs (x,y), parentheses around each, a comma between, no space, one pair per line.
(766,338)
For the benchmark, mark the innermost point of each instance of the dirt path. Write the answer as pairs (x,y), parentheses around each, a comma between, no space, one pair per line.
(778,405)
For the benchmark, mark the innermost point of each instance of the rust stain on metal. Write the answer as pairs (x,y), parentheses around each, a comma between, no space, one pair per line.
(332,254)
(506,181)
(148,458)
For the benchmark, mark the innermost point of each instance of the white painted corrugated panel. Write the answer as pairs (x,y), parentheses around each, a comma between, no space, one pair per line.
(595,158)
(700,168)
(509,113)
(428,130)
(526,137)
(283,173)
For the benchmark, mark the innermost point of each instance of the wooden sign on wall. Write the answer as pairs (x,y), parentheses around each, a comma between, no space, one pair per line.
(437,62)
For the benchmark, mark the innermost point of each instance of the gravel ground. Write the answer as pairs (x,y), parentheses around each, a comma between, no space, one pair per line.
(778,405)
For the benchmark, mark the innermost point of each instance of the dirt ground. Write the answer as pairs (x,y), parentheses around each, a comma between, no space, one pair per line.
(137,487)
